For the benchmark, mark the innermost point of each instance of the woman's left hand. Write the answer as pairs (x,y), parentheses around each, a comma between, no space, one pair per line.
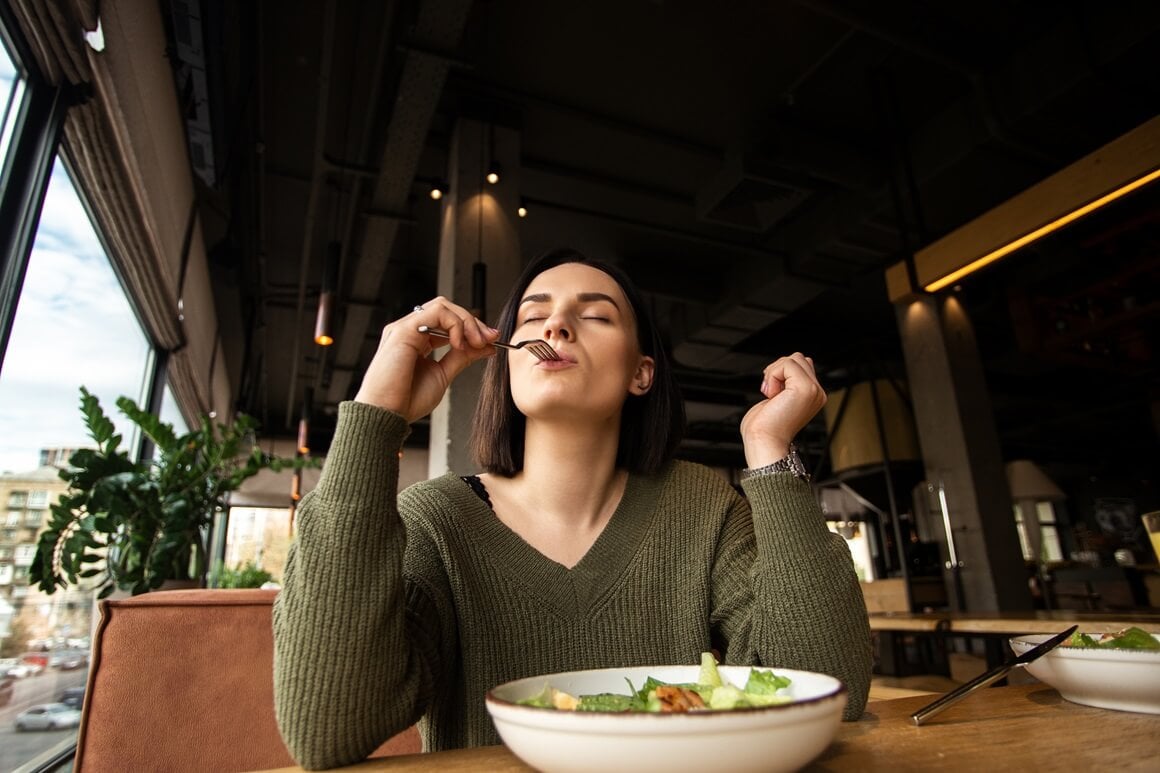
(793,396)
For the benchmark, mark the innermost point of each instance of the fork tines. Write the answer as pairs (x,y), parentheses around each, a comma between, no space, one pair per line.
(537,347)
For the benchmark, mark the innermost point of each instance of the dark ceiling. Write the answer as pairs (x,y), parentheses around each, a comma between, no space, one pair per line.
(753,165)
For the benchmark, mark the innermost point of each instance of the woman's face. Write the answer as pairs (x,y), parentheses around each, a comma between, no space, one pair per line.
(584,315)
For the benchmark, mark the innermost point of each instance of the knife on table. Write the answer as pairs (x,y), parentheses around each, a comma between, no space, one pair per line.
(986,678)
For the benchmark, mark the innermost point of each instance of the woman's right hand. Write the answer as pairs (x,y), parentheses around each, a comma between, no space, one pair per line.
(403,378)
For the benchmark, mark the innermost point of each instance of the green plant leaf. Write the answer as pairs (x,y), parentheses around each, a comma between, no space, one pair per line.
(147,521)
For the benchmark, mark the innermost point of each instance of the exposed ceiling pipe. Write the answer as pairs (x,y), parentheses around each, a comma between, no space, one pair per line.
(262,387)
(360,177)
(651,134)
(318,172)
(872,25)
(438,26)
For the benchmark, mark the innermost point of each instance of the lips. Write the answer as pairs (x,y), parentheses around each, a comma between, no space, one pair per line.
(564,361)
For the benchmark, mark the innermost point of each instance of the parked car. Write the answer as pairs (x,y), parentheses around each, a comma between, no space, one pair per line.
(67,660)
(48,716)
(14,668)
(73,697)
(37,661)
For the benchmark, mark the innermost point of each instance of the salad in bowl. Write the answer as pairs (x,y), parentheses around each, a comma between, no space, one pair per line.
(1119,671)
(709,717)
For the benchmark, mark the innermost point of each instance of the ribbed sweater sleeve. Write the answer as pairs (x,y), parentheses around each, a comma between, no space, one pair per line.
(401,605)
(346,677)
(809,612)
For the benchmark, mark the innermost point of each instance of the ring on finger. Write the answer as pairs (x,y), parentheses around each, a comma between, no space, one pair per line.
(417,308)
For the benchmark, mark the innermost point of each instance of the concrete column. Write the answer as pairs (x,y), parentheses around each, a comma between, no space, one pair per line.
(960,450)
(479,227)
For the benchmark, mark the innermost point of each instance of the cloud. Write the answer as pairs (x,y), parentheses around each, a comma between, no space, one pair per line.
(73,326)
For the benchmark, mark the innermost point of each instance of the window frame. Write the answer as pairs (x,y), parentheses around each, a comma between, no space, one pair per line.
(36,133)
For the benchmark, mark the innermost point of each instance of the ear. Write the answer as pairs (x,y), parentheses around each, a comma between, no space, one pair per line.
(643,377)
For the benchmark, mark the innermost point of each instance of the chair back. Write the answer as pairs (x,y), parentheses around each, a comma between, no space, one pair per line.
(183,680)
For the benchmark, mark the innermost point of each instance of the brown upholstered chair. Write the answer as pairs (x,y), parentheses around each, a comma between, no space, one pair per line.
(182,681)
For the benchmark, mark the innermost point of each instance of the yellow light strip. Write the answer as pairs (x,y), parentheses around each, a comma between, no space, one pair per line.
(1040,232)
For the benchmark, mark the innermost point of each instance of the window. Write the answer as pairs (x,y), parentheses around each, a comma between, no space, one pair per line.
(13,518)
(71,306)
(12,92)
(1051,549)
(259,537)
(72,324)
(23,555)
(170,413)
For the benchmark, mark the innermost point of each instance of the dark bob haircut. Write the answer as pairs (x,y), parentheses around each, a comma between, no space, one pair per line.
(651,425)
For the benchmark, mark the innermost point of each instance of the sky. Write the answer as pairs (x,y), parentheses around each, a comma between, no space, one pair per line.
(73,326)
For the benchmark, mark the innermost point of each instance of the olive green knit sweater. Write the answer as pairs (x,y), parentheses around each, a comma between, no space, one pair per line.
(394,614)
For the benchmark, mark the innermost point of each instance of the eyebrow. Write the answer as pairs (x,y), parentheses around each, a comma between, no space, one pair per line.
(582,297)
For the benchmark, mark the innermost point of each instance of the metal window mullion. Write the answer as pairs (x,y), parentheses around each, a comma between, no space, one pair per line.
(33,150)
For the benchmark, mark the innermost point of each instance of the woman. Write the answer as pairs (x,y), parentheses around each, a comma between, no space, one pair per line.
(582,545)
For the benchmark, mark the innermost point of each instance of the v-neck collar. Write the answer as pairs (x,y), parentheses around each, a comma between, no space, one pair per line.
(575,591)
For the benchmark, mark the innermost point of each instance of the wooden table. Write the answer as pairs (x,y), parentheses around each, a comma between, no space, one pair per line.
(1011,623)
(1023,727)
(992,627)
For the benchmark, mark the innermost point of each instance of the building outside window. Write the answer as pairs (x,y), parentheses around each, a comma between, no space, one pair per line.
(259,536)
(23,555)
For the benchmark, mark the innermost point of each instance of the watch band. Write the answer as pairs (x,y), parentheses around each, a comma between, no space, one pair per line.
(791,463)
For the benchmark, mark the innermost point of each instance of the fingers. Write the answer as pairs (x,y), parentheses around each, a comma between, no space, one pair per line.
(402,377)
(793,397)
(795,371)
(464,330)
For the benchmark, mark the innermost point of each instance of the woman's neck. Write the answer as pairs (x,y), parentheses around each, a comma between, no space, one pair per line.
(570,471)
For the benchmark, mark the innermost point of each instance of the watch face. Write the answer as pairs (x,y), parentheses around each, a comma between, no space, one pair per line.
(795,465)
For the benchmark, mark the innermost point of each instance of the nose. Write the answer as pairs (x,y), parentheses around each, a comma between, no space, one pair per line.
(560,332)
(556,327)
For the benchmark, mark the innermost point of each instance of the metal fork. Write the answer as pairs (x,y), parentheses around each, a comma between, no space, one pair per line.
(538,347)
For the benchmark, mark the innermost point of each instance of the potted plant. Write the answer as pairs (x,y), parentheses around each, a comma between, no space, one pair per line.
(135,525)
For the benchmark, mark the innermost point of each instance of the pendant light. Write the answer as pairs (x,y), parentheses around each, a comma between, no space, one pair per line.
(323,332)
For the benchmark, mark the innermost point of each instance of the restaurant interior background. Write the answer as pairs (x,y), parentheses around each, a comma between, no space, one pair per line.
(757,167)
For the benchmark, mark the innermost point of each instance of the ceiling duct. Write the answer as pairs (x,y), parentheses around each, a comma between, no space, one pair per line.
(750,194)
(189,68)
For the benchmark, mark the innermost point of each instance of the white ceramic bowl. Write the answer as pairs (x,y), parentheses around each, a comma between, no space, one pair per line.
(1125,680)
(774,738)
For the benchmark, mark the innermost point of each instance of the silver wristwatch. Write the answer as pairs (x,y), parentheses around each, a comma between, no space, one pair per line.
(791,463)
